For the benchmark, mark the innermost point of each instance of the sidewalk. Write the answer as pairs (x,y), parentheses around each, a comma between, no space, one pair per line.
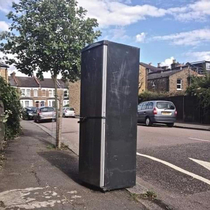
(192,126)
(36,176)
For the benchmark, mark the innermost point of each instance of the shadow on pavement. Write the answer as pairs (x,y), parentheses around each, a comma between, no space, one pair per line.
(67,163)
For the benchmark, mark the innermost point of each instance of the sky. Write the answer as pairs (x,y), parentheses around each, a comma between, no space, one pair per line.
(164,30)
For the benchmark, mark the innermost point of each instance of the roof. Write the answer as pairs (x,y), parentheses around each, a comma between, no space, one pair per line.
(48,83)
(163,74)
(152,68)
(23,81)
(3,65)
(34,82)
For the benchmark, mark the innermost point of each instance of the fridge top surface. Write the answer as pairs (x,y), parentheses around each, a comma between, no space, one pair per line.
(103,42)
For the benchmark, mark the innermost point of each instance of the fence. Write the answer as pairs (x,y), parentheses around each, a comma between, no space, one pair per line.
(189,109)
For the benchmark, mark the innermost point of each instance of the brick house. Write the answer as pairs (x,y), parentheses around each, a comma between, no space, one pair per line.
(173,80)
(38,93)
(3,71)
(144,70)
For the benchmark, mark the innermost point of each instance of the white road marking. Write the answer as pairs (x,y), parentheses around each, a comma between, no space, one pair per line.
(201,162)
(195,176)
(196,139)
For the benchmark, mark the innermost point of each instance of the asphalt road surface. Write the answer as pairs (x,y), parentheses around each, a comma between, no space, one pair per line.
(172,162)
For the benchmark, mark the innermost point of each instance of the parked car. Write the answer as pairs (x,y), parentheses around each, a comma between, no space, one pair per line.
(150,112)
(44,113)
(68,112)
(28,113)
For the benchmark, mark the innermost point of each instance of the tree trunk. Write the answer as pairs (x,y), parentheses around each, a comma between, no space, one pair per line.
(60,118)
(58,144)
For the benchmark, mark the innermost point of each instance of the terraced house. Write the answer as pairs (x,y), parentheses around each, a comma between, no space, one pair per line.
(38,93)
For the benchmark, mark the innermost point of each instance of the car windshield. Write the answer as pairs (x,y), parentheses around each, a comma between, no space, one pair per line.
(165,105)
(71,109)
(33,109)
(47,109)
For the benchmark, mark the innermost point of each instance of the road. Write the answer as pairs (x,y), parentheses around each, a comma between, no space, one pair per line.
(172,162)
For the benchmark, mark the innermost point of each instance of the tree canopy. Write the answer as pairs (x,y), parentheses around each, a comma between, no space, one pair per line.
(200,87)
(48,35)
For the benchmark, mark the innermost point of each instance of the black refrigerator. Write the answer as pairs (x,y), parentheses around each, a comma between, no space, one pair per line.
(108,115)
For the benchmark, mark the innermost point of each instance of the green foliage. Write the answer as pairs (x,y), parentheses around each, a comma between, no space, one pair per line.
(200,87)
(48,35)
(147,95)
(10,98)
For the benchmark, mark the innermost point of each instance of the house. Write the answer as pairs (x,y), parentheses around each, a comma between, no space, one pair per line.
(200,66)
(3,71)
(38,93)
(174,80)
(144,70)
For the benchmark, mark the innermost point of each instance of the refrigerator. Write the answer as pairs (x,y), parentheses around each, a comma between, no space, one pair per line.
(108,115)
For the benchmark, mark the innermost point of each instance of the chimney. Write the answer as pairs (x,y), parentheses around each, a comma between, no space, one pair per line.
(173,65)
(13,74)
(13,77)
(150,63)
(158,65)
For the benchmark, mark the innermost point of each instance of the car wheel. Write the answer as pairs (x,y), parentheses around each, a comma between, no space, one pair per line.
(170,124)
(148,121)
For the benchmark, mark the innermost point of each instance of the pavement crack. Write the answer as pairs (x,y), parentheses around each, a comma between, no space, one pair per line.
(36,176)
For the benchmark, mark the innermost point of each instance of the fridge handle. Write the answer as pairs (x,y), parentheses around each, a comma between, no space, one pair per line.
(83,119)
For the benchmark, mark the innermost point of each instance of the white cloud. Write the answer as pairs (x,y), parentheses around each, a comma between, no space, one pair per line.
(192,38)
(167,62)
(12,68)
(198,56)
(140,37)
(198,11)
(116,34)
(116,13)
(4,26)
(5,5)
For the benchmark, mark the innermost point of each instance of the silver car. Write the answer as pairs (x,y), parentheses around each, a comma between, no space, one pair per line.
(44,113)
(150,112)
(68,112)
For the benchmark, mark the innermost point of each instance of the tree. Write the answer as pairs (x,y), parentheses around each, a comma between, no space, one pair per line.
(200,87)
(48,35)
(12,109)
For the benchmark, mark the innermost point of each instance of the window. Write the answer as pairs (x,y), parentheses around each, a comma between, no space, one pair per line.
(47,109)
(66,94)
(139,107)
(23,92)
(28,92)
(150,105)
(51,103)
(179,84)
(143,106)
(165,105)
(65,102)
(50,93)
(35,92)
(42,103)
(26,103)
